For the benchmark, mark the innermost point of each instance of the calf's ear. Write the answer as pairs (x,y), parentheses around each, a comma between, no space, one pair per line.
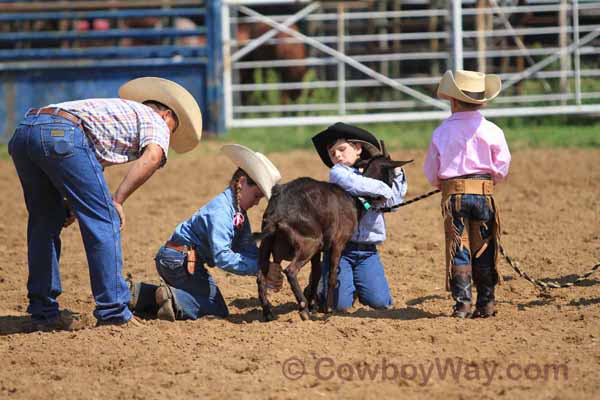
(383,149)
(399,163)
(361,163)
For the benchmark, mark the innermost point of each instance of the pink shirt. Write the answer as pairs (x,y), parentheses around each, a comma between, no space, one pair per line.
(466,143)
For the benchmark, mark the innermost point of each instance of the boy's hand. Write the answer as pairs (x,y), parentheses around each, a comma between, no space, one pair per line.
(378,201)
(398,171)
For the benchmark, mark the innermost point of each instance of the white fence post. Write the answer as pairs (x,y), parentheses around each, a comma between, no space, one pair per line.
(457,35)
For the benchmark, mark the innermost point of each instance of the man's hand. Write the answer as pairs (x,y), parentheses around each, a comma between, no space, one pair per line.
(274,277)
(70,218)
(121,213)
(139,172)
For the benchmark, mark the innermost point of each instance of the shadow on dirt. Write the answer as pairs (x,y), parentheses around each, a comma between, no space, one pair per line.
(245,303)
(572,278)
(405,314)
(585,302)
(423,299)
(11,324)
(255,314)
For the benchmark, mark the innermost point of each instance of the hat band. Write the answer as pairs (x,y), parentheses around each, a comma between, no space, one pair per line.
(475,95)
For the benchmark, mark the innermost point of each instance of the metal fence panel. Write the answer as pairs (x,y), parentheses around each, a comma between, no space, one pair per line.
(58,51)
(381,61)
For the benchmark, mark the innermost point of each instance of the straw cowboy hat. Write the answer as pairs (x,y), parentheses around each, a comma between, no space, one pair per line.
(189,131)
(350,133)
(469,86)
(256,165)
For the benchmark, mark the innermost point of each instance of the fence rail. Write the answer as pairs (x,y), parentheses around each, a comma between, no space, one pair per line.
(373,61)
(53,51)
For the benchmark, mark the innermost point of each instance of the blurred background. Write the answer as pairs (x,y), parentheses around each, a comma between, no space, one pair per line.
(270,74)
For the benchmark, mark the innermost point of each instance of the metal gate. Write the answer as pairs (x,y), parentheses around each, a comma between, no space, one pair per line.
(369,61)
(56,51)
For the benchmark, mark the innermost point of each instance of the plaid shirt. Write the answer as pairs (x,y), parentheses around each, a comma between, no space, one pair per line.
(119,129)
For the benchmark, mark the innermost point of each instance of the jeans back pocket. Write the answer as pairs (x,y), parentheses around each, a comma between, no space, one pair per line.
(58,141)
(171,265)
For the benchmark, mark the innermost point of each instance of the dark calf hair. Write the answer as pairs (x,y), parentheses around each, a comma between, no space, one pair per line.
(304,218)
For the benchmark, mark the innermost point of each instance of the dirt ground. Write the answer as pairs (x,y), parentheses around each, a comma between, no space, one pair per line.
(538,346)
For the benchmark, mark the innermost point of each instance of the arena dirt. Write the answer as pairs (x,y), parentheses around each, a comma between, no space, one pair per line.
(538,346)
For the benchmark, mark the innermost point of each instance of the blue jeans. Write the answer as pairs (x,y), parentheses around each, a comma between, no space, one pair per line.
(475,209)
(478,219)
(360,272)
(54,160)
(195,295)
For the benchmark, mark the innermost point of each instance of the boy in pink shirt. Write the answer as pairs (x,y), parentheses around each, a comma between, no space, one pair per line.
(467,156)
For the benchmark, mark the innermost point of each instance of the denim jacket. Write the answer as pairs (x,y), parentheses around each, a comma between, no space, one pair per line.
(211,233)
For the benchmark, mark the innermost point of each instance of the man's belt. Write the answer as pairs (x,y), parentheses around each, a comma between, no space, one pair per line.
(58,112)
(191,255)
(468,186)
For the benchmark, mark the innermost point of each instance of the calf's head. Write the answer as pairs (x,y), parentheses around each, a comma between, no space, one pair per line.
(380,167)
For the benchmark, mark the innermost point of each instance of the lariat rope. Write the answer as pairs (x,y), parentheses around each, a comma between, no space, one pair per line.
(514,264)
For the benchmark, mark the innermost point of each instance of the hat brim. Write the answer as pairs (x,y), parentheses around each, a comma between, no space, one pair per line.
(189,131)
(448,89)
(258,167)
(322,140)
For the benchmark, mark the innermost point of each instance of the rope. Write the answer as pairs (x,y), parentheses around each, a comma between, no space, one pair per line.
(514,264)
(546,285)
(421,197)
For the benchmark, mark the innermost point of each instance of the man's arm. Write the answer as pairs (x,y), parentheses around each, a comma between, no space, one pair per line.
(141,169)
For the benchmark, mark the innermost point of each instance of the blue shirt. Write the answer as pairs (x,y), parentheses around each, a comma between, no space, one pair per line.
(218,244)
(371,227)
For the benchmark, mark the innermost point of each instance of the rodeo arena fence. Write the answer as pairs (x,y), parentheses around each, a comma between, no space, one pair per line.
(258,63)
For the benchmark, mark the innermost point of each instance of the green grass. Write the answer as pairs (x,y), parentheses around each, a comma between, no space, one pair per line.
(535,132)
(546,132)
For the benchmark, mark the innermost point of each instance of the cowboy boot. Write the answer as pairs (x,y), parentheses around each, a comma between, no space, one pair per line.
(165,303)
(142,302)
(485,282)
(460,285)
(134,290)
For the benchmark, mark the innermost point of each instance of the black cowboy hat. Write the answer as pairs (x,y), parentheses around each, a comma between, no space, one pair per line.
(339,130)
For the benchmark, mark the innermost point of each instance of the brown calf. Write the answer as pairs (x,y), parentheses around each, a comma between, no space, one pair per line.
(304,218)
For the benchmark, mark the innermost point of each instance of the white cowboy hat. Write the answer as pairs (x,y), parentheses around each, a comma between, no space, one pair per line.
(189,131)
(256,165)
(469,86)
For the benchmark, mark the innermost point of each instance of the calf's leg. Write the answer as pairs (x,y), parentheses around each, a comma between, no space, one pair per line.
(263,262)
(334,262)
(310,291)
